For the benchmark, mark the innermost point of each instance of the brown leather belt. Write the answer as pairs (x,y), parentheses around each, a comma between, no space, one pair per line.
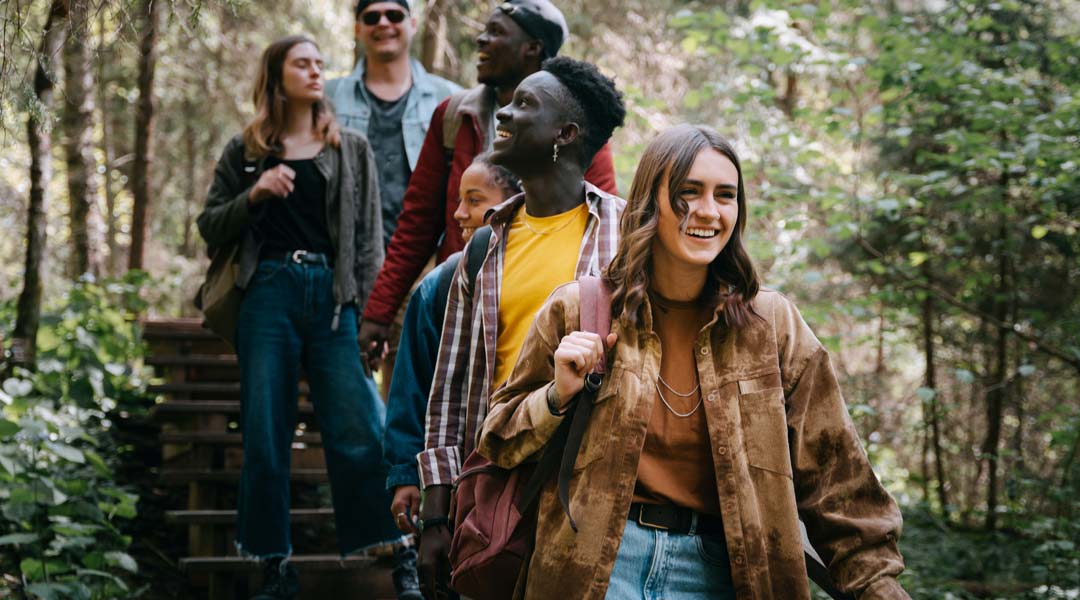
(675,519)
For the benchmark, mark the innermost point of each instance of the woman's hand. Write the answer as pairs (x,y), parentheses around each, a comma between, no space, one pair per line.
(273,183)
(576,356)
(406,507)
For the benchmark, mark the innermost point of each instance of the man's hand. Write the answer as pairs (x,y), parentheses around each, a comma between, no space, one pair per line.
(406,507)
(372,338)
(433,561)
(433,557)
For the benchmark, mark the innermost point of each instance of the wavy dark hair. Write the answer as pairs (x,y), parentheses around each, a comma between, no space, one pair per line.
(262,135)
(731,280)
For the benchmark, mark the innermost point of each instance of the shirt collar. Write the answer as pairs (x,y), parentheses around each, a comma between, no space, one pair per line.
(501,214)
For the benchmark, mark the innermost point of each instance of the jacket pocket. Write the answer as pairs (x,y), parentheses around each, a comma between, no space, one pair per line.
(764,424)
(597,435)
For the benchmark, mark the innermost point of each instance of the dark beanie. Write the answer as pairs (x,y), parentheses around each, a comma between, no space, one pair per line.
(541,20)
(362,5)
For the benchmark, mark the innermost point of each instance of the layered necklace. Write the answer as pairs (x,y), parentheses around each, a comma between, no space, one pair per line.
(660,381)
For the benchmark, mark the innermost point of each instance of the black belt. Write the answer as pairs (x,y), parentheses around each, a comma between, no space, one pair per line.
(675,519)
(300,257)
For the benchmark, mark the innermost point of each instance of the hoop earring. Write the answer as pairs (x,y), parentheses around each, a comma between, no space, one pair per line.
(555,153)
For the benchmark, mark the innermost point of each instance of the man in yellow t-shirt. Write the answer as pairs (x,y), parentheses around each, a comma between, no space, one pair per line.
(561,228)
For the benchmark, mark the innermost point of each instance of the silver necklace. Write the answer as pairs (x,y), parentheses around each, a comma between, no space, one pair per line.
(674,391)
(673,411)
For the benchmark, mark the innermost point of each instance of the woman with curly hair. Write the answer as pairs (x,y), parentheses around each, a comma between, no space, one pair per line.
(719,423)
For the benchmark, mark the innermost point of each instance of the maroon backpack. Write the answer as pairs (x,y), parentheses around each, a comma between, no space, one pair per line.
(495,509)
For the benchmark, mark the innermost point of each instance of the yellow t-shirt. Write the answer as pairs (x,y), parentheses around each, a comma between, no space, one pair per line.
(541,254)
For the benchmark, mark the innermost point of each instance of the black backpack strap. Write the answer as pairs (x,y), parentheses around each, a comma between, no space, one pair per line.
(442,288)
(477,252)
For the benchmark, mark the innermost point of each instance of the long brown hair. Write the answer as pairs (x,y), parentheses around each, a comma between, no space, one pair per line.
(731,277)
(263,134)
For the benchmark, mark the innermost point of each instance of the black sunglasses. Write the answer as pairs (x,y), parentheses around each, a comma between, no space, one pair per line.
(372,17)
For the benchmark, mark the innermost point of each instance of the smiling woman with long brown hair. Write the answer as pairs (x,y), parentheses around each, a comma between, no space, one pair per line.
(299,196)
(719,423)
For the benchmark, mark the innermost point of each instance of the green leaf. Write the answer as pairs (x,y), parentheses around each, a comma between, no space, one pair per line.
(7,428)
(48,591)
(97,462)
(965,376)
(16,539)
(917,258)
(1026,370)
(66,452)
(1039,232)
(122,560)
(34,568)
(926,394)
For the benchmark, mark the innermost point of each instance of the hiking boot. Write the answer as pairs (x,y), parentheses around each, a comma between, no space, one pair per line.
(280,581)
(406,581)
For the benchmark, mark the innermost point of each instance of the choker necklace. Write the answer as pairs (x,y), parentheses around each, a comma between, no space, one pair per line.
(525,219)
(673,411)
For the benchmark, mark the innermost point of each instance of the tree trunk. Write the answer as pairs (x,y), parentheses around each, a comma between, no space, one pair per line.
(39,137)
(84,218)
(112,263)
(930,381)
(433,38)
(996,396)
(190,158)
(144,132)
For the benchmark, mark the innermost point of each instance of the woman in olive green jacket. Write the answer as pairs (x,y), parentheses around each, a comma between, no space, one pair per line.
(719,424)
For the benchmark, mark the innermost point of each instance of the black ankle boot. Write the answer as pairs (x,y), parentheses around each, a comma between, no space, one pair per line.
(280,581)
(406,581)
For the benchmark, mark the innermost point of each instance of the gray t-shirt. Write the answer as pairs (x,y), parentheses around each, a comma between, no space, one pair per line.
(388,146)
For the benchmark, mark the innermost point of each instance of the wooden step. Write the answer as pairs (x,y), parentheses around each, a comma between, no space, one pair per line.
(220,389)
(191,360)
(303,562)
(225,438)
(228,517)
(179,475)
(176,329)
(166,409)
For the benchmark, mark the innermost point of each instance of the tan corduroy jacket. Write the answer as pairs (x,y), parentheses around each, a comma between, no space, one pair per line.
(783,448)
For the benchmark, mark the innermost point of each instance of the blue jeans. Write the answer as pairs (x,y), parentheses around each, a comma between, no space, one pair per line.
(285,322)
(654,564)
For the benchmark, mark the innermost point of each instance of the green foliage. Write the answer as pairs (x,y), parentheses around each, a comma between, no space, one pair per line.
(61,525)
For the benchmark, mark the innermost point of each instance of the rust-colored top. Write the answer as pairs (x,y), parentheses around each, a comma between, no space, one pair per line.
(783,448)
(676,464)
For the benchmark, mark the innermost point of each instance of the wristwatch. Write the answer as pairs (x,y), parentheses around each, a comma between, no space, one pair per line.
(433,522)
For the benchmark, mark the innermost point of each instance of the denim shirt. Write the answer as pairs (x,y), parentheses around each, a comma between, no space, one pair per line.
(414,368)
(353,110)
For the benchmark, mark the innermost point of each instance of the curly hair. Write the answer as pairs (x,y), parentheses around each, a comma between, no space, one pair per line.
(502,177)
(667,160)
(600,109)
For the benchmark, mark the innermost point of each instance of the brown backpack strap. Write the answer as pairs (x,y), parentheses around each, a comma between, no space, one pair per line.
(562,449)
(452,121)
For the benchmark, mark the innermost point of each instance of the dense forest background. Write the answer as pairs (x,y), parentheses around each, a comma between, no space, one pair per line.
(913,176)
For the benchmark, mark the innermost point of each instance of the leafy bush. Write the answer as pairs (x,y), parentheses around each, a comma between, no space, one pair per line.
(63,513)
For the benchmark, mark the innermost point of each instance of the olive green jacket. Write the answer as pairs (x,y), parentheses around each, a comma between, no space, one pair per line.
(353,213)
(783,448)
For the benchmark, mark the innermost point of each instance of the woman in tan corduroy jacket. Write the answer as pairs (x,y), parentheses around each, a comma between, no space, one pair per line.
(719,425)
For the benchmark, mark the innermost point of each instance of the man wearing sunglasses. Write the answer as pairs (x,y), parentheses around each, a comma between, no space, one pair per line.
(389,97)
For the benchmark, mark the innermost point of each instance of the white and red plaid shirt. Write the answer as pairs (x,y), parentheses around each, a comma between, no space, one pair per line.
(461,390)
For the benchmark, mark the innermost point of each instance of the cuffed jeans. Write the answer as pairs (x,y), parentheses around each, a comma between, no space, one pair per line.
(285,322)
(653,564)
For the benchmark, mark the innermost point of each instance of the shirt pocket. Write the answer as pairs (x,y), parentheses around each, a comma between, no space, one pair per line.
(597,435)
(764,424)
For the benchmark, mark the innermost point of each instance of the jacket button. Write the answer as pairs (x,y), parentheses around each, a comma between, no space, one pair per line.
(704,350)
(712,396)
(722,450)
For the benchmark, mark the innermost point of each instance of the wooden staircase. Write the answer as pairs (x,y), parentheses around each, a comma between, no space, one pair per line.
(199,410)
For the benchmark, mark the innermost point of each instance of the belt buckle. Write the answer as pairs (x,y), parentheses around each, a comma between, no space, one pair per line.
(641,521)
(298,256)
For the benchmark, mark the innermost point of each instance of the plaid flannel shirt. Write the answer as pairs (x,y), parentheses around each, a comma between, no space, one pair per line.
(461,391)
